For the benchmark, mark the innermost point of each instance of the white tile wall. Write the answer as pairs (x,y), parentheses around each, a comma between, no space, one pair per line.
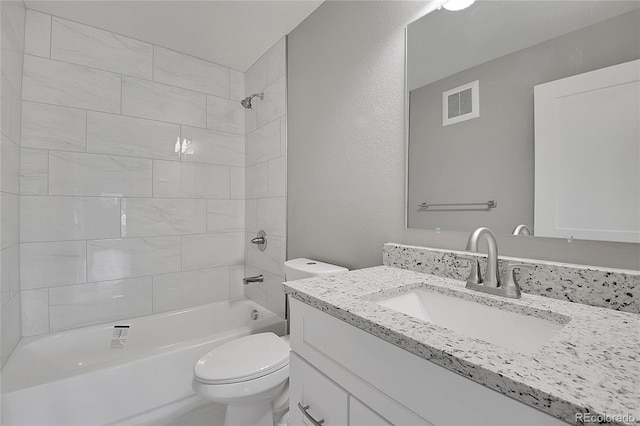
(212,250)
(13,24)
(225,115)
(180,70)
(115,223)
(72,173)
(265,205)
(268,260)
(10,220)
(134,137)
(64,84)
(144,217)
(256,76)
(274,104)
(257,181)
(212,181)
(83,45)
(52,264)
(173,179)
(12,28)
(10,258)
(10,167)
(11,326)
(84,304)
(264,143)
(45,218)
(255,291)
(10,110)
(35,312)
(53,127)
(132,257)
(236,89)
(183,289)
(146,99)
(277,177)
(34,171)
(38,27)
(237,177)
(225,215)
(270,215)
(236,287)
(214,147)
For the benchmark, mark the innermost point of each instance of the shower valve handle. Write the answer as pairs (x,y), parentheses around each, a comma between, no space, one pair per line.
(258,240)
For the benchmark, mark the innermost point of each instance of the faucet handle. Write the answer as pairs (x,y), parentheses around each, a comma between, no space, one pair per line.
(475,276)
(511,286)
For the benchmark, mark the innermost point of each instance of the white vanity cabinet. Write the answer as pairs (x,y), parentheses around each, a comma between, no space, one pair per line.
(346,376)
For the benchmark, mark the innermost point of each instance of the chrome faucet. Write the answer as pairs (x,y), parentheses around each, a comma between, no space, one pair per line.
(255,279)
(492,277)
(521,229)
(491,284)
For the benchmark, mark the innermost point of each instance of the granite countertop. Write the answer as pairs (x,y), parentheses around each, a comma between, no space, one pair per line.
(592,365)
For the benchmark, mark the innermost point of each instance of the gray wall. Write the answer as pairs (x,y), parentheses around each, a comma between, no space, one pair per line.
(346,149)
(493,154)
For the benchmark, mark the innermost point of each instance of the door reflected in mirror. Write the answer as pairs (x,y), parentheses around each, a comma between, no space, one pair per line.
(483,147)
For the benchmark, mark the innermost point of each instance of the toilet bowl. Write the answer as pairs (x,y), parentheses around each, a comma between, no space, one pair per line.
(250,375)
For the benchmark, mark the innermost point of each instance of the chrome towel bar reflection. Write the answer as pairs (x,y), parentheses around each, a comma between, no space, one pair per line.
(491,204)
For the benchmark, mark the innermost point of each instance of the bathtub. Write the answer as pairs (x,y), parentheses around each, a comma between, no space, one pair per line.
(123,372)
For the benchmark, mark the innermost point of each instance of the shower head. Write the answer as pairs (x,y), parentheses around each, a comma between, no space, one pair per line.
(246,102)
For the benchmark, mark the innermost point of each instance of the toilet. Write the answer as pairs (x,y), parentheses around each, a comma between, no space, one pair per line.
(250,375)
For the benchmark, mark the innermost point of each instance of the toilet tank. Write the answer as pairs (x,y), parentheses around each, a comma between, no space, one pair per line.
(297,269)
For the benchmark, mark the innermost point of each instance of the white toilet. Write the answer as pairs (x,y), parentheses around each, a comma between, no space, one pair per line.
(250,375)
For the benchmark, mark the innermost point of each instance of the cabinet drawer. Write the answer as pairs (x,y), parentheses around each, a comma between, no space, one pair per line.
(325,399)
(361,415)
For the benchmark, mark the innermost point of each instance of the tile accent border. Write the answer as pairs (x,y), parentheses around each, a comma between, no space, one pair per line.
(610,288)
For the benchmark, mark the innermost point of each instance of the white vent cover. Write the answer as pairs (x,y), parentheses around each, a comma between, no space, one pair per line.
(461,103)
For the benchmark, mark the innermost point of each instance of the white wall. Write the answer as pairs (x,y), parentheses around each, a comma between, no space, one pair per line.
(12,14)
(266,176)
(115,223)
(346,150)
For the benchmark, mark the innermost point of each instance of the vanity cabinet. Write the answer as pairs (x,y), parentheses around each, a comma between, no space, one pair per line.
(346,376)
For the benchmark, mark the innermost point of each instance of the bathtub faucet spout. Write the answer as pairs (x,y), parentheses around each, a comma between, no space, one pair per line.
(256,279)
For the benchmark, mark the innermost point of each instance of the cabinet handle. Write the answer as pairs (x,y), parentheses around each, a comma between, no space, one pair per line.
(308,416)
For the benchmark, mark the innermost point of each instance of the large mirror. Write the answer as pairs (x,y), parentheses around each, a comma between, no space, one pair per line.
(526,113)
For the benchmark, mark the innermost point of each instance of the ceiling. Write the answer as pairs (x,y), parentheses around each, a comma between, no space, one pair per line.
(443,43)
(231,33)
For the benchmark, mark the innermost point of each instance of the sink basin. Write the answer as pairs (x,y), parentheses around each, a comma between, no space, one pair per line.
(519,332)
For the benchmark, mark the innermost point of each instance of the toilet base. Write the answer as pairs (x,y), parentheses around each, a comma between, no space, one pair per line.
(258,413)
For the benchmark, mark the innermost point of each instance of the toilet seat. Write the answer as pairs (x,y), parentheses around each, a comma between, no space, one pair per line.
(243,359)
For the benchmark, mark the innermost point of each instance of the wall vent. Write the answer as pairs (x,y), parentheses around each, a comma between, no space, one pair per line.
(461,103)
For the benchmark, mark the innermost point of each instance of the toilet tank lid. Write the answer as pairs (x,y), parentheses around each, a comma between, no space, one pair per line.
(311,267)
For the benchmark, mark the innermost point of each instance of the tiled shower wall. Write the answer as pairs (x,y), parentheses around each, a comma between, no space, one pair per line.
(266,176)
(12,14)
(115,223)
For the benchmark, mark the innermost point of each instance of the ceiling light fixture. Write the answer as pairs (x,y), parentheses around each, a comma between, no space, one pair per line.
(455,5)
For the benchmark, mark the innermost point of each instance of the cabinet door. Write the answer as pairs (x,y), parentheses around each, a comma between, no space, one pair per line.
(316,394)
(361,415)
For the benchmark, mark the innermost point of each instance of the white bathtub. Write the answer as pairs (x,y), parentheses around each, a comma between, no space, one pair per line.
(85,377)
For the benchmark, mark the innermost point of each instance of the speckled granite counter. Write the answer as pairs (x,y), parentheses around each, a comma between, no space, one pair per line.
(591,366)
